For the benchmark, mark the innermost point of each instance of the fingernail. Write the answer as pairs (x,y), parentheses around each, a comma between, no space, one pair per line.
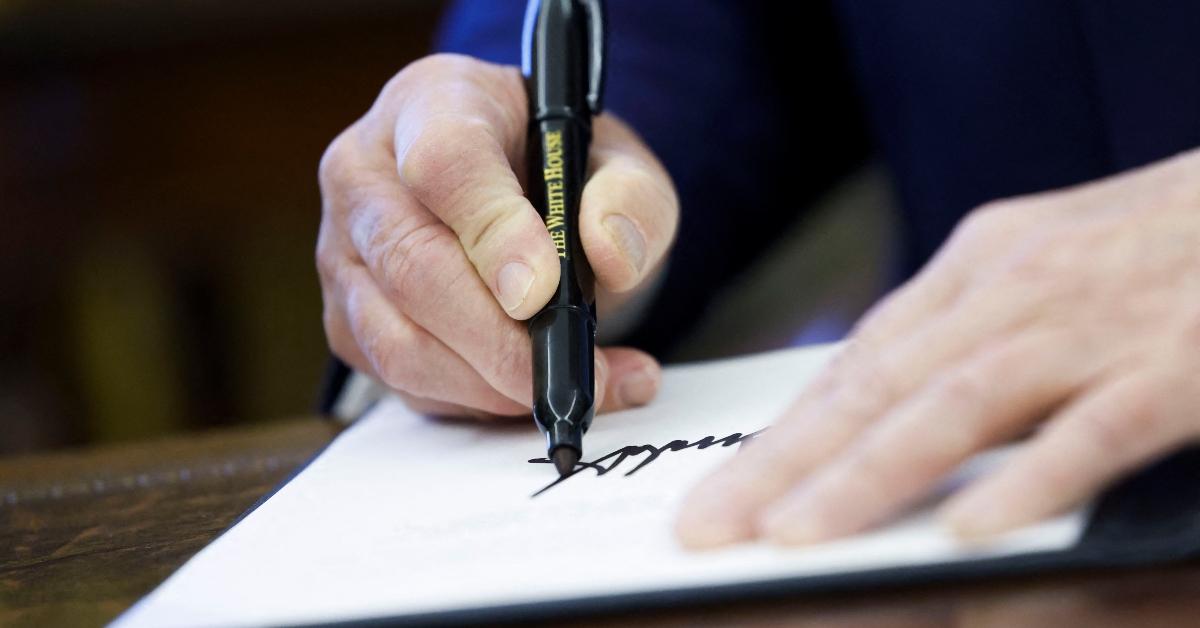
(637,389)
(513,284)
(627,238)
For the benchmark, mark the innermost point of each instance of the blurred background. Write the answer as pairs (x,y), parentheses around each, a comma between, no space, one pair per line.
(159,203)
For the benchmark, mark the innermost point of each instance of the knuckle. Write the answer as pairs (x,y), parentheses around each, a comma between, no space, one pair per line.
(1109,430)
(433,162)
(513,364)
(409,260)
(1029,268)
(341,341)
(957,433)
(326,257)
(441,64)
(327,271)
(394,359)
(330,321)
(980,224)
(491,224)
(1129,417)
(1037,278)
(329,168)
(880,380)
(431,67)
(342,347)
(871,329)
(965,387)
(391,360)
(992,221)
(867,385)
(392,348)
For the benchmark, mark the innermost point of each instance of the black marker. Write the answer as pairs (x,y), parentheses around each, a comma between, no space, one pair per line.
(563,63)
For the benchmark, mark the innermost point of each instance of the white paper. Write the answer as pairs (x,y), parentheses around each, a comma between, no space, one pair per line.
(403,514)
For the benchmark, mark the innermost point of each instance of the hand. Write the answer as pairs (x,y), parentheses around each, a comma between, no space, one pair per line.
(430,256)
(1074,313)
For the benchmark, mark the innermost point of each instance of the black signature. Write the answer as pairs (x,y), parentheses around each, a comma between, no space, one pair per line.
(615,458)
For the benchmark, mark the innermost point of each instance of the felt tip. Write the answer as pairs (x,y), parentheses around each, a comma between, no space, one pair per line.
(565,459)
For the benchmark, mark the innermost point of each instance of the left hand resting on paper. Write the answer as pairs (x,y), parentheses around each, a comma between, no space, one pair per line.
(1075,313)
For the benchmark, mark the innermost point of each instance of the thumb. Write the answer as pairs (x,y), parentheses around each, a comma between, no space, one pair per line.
(629,211)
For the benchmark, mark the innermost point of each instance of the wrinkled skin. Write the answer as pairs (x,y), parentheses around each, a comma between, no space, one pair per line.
(431,258)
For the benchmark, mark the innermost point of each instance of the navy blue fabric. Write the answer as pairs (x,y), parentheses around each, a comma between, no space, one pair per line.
(969,101)
(976,100)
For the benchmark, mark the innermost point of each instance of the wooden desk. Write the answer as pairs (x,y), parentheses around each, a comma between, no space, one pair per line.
(85,534)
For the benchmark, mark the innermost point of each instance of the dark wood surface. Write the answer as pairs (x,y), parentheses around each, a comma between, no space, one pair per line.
(85,534)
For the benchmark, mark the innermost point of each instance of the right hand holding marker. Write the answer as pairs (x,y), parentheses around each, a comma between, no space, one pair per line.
(430,256)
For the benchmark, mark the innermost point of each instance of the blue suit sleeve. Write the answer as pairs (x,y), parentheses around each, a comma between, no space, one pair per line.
(690,77)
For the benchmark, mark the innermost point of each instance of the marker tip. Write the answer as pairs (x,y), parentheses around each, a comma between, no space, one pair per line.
(565,459)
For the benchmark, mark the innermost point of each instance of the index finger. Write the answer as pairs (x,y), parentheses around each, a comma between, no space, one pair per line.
(456,150)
